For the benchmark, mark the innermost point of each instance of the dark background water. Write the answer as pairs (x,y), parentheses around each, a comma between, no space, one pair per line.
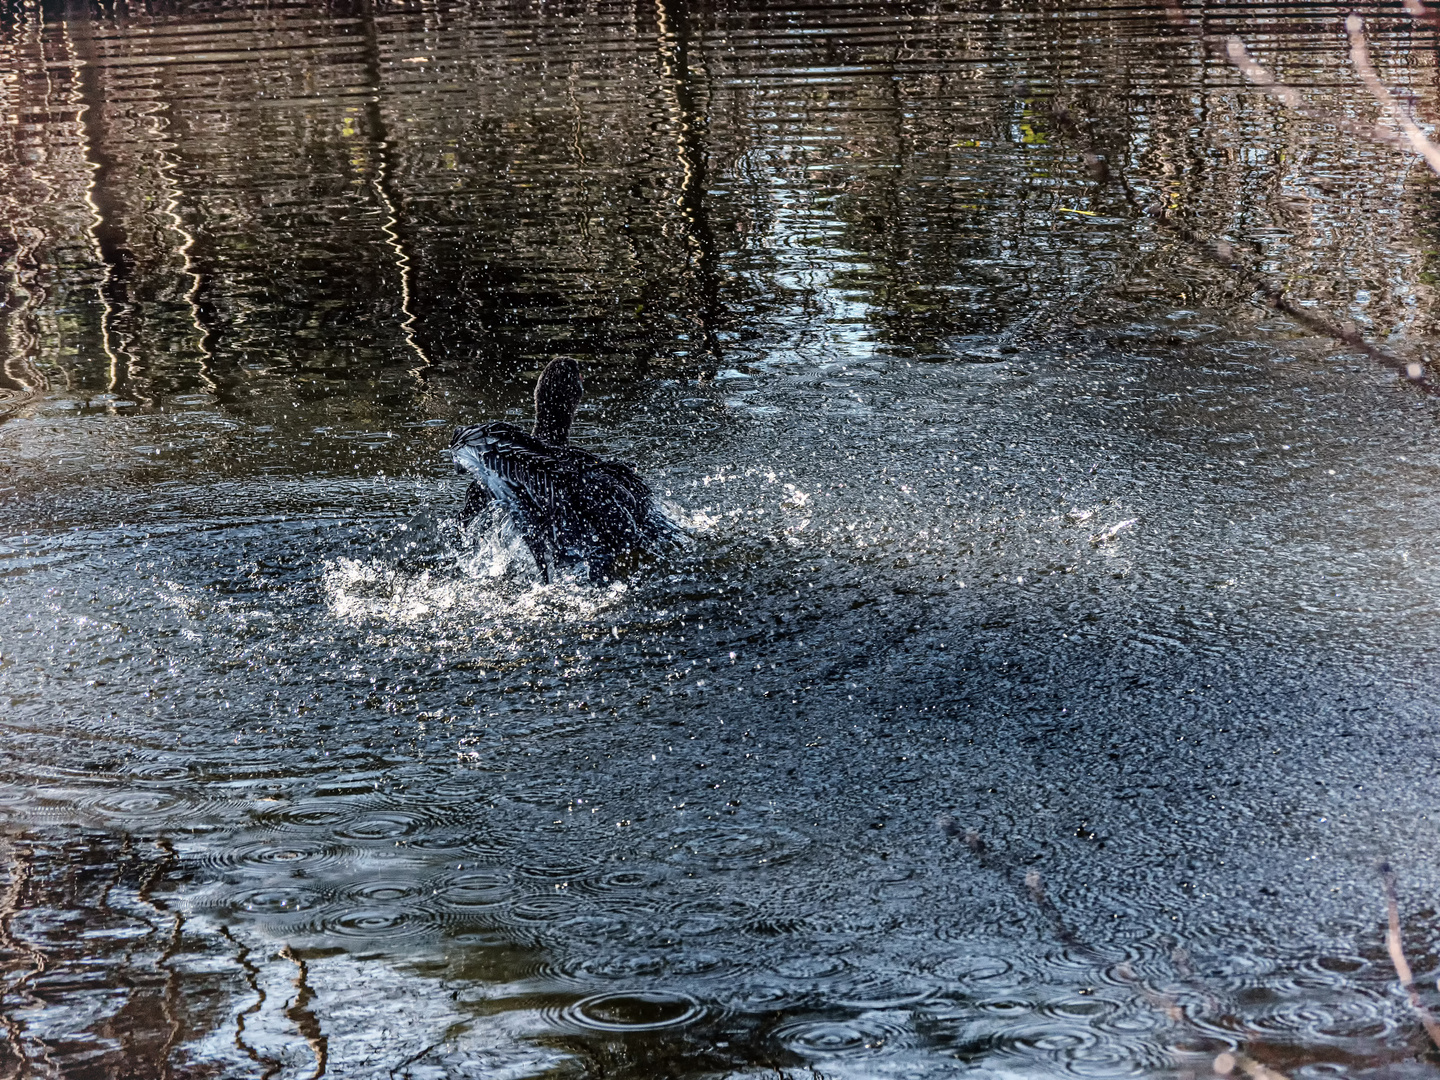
(1010,501)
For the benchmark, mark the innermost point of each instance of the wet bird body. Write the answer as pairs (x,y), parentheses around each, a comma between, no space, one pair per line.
(571,508)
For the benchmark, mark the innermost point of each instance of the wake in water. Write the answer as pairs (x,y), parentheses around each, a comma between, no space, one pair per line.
(432,570)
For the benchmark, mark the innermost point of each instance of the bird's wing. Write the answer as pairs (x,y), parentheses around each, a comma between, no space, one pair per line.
(581,503)
(519,470)
(639,501)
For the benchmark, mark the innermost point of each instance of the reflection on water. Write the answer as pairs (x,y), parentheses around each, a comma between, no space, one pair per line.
(1011,501)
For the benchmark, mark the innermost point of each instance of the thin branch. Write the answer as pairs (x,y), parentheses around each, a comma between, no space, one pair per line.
(1420,13)
(1315,319)
(1227,1063)
(1261,77)
(1397,955)
(1360,57)
(1161,1002)
(1414,140)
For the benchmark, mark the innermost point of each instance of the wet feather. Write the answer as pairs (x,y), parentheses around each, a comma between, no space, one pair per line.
(570,507)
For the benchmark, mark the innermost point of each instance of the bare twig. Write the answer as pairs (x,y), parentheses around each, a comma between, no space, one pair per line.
(1161,1002)
(1413,139)
(1312,318)
(1360,57)
(1222,254)
(1397,955)
(1420,13)
(1290,97)
(1227,1063)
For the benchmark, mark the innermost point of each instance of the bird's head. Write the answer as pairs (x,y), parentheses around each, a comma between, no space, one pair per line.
(557,397)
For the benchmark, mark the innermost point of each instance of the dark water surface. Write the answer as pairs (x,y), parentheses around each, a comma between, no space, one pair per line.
(1009,501)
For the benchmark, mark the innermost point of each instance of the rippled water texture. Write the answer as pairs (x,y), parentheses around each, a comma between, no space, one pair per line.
(1011,500)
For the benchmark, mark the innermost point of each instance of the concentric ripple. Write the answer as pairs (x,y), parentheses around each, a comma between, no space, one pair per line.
(630,1011)
(379,921)
(866,1034)
(294,853)
(277,900)
(158,772)
(740,848)
(308,814)
(1286,1012)
(628,965)
(570,870)
(384,891)
(379,826)
(467,890)
(136,805)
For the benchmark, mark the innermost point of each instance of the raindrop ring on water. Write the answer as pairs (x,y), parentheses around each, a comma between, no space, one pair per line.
(279,900)
(864,1034)
(641,1010)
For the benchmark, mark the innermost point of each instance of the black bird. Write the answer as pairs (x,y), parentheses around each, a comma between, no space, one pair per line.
(571,508)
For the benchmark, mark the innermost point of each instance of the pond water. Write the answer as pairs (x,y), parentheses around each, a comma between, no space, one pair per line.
(1013,509)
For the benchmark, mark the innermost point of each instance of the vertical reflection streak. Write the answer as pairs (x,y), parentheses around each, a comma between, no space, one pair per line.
(37,26)
(381,186)
(168,169)
(672,29)
(577,145)
(17,344)
(303,1017)
(252,980)
(170,999)
(105,287)
(21,868)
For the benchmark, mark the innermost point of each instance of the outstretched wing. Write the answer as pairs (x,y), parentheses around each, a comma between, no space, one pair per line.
(517,470)
(568,504)
(521,472)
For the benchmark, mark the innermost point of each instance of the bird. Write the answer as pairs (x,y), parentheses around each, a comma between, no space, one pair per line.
(571,508)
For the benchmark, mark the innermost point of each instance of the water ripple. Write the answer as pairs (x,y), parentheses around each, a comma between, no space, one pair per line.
(641,1010)
(870,1033)
(293,853)
(471,890)
(735,848)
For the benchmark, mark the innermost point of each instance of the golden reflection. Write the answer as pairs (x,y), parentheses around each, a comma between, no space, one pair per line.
(380,184)
(20,297)
(93,167)
(673,33)
(402,264)
(909,189)
(173,196)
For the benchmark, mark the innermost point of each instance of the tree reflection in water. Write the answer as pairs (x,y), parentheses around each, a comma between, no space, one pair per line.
(952,332)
